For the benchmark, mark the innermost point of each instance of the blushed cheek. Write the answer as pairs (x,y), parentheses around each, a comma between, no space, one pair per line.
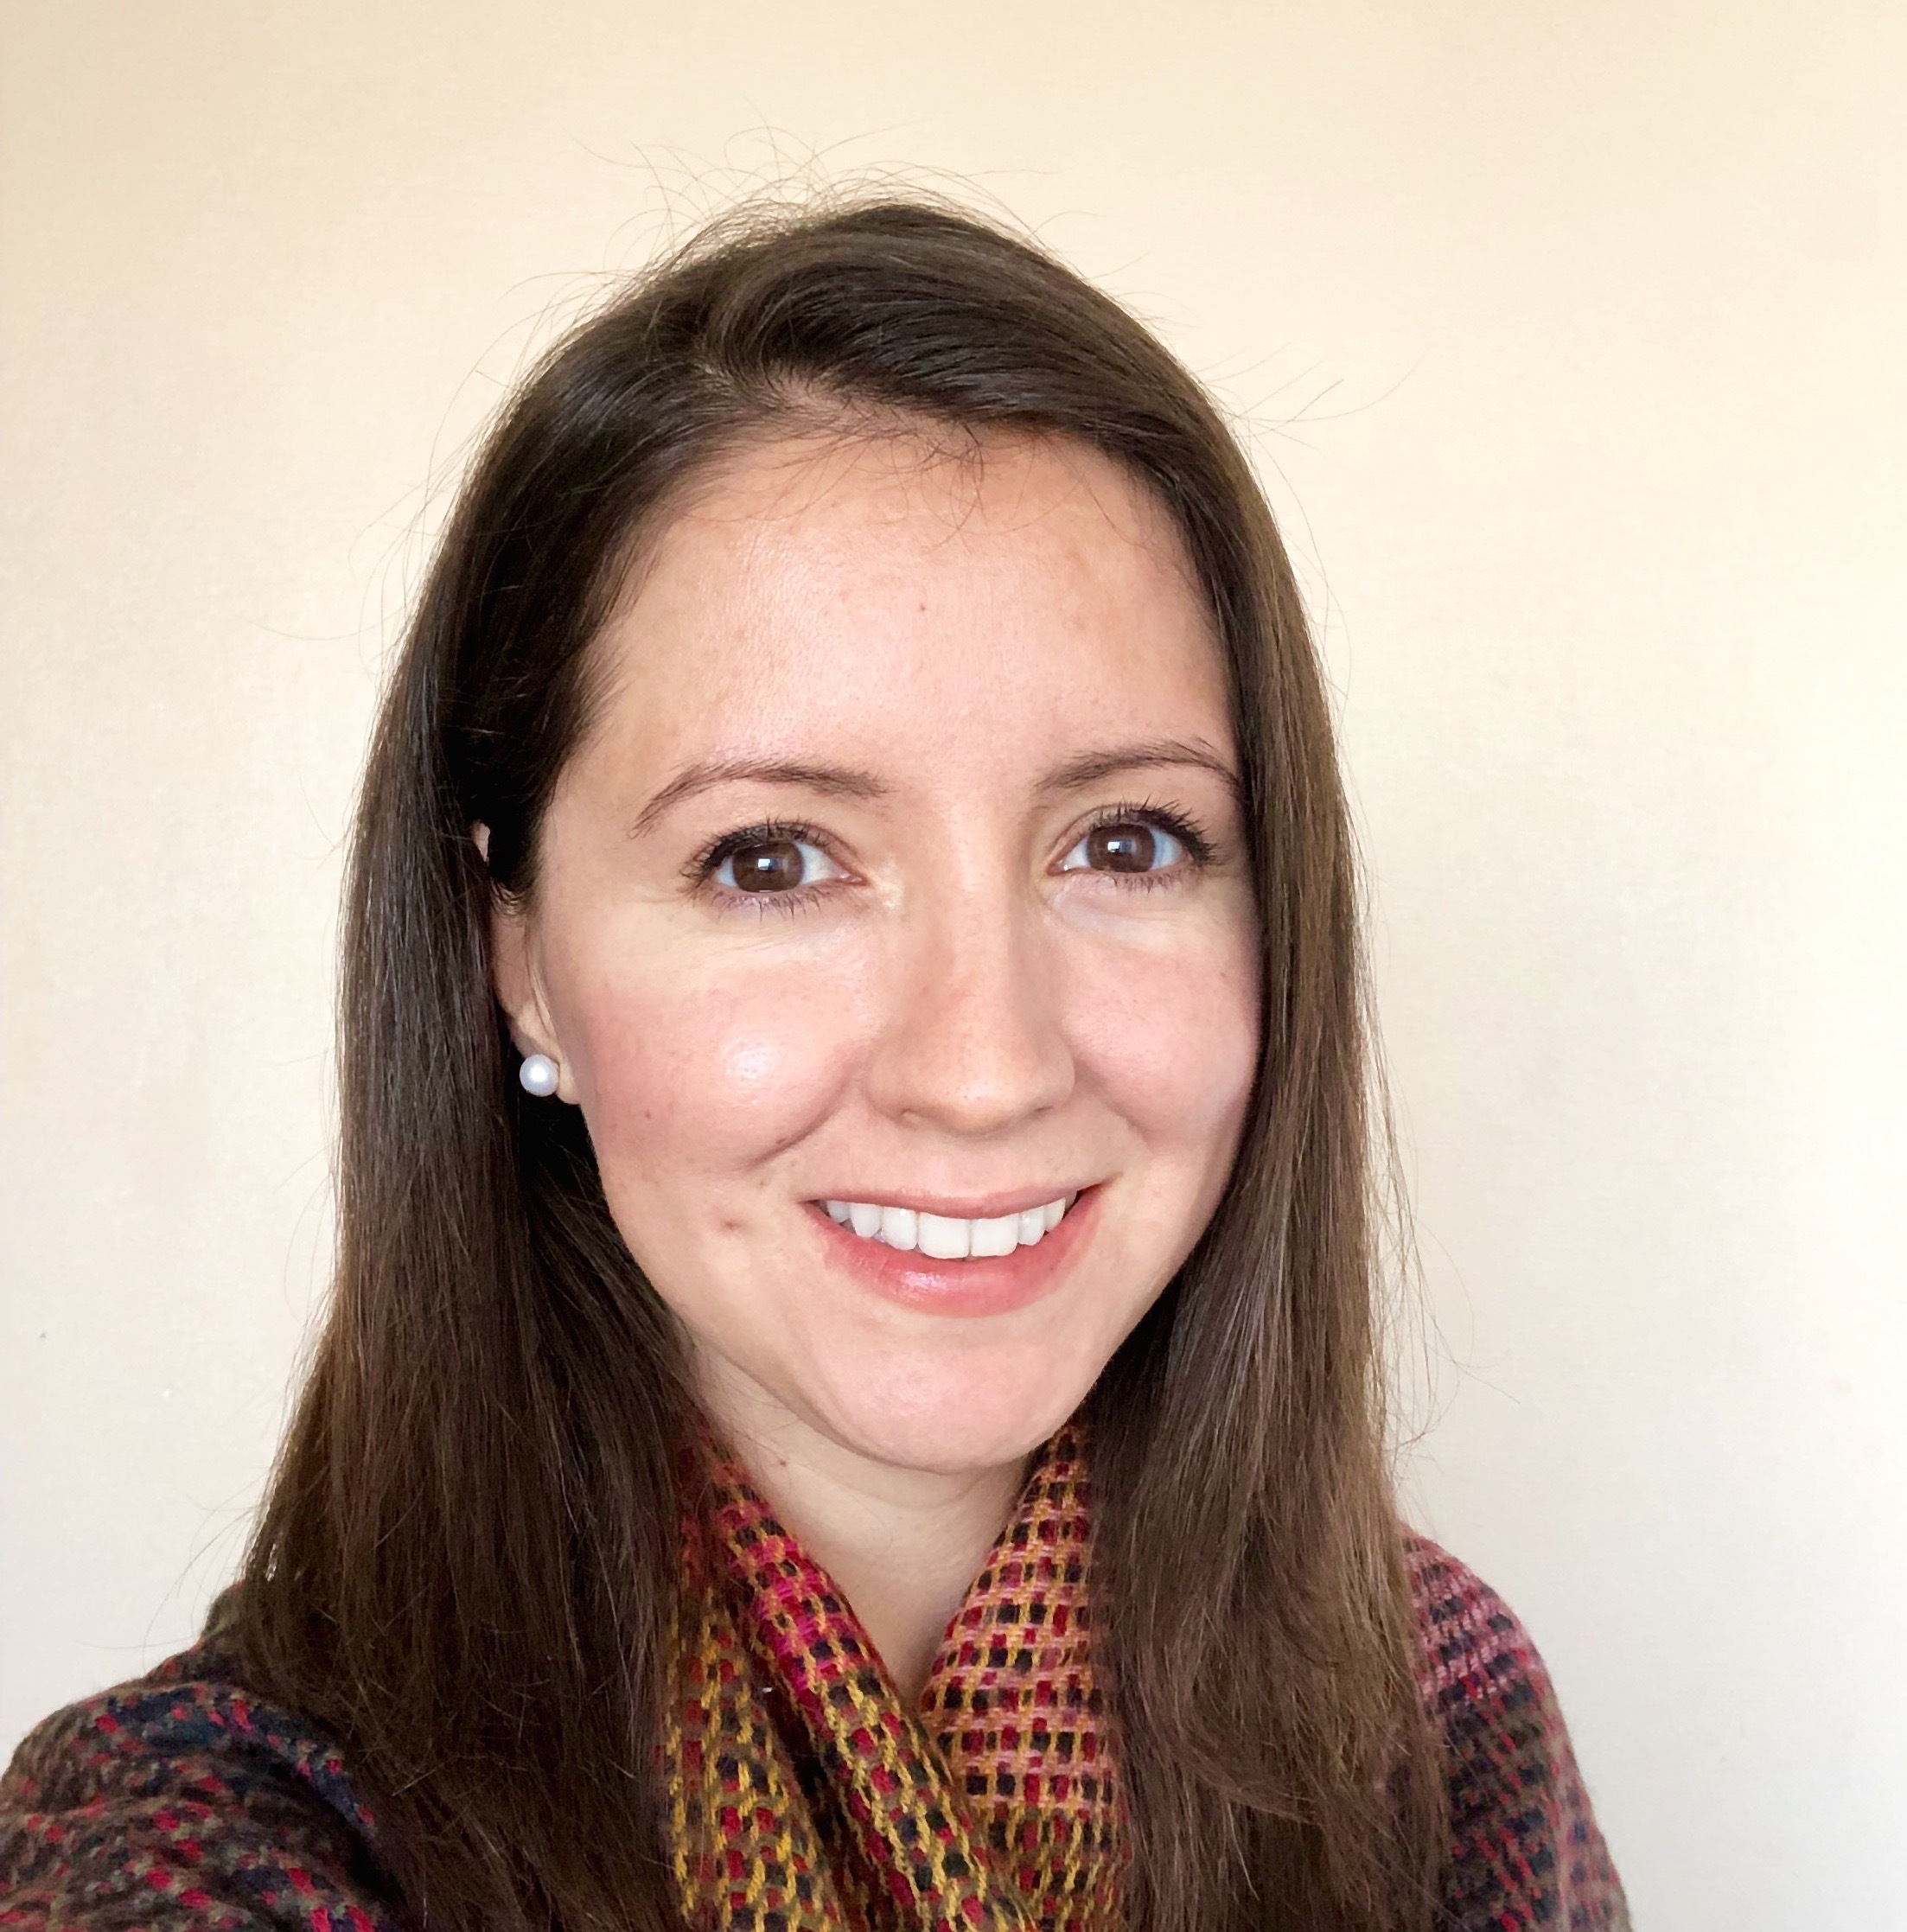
(711,1080)
(1172,1039)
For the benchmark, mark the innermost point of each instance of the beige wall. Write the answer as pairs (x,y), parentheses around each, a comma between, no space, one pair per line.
(1571,333)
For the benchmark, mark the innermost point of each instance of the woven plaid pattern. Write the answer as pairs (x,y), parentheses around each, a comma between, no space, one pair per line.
(806,1796)
(180,1804)
(1525,1849)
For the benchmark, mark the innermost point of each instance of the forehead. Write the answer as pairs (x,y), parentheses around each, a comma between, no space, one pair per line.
(909,597)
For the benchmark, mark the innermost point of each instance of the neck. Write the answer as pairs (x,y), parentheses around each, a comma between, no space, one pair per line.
(903,1545)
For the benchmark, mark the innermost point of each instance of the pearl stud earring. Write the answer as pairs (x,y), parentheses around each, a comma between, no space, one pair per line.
(538,1073)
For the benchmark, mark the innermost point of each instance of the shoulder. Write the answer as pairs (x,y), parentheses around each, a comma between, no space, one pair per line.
(178,1800)
(1525,1846)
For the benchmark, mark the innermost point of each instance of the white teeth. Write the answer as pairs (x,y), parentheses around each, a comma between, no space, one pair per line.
(949,1237)
(1001,1235)
(943,1238)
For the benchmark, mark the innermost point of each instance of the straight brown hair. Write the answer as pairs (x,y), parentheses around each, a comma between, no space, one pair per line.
(465,1564)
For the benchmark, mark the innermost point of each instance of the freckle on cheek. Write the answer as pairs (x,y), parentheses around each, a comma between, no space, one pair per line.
(643,1090)
(690,1085)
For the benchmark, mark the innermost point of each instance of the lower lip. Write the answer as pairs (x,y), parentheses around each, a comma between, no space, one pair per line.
(986,1284)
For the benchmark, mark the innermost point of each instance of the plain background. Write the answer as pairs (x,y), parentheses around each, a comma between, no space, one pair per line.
(1569,341)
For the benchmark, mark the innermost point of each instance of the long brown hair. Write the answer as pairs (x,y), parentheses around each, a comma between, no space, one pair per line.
(465,1564)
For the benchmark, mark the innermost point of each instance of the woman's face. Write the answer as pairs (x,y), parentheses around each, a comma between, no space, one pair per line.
(901,869)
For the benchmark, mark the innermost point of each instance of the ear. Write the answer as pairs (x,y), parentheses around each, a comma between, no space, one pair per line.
(517,983)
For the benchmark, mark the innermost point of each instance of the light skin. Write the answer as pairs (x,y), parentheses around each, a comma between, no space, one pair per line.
(996,946)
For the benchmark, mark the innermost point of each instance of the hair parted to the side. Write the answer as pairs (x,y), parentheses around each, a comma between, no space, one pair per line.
(466,1563)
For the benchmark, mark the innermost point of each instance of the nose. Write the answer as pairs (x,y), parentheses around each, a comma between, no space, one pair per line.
(972,1042)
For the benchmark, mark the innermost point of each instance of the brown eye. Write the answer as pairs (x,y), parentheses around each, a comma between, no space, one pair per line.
(1126,845)
(1119,848)
(772,864)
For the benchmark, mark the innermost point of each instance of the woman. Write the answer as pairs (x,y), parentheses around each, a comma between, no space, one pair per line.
(849,1398)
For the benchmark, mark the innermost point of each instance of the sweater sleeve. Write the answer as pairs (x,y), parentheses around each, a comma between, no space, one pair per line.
(1525,1848)
(177,1804)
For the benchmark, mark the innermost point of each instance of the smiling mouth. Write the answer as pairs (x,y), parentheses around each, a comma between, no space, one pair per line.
(949,1237)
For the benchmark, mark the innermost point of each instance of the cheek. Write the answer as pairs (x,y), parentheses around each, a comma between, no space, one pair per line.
(692,1064)
(1170,1035)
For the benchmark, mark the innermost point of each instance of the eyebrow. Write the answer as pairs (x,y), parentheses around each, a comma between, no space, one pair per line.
(1090,768)
(836,780)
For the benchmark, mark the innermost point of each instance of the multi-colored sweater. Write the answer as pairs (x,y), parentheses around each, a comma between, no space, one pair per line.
(180,1803)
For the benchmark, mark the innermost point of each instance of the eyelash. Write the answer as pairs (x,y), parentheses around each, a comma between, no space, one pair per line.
(1173,819)
(1169,817)
(701,869)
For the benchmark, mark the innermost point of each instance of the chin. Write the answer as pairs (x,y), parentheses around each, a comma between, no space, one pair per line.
(979,1413)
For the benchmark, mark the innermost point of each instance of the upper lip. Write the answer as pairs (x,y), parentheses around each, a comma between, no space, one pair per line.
(971,1207)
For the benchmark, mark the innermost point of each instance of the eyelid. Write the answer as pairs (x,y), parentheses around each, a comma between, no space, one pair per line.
(1200,850)
(701,865)
(725,862)
(1166,815)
